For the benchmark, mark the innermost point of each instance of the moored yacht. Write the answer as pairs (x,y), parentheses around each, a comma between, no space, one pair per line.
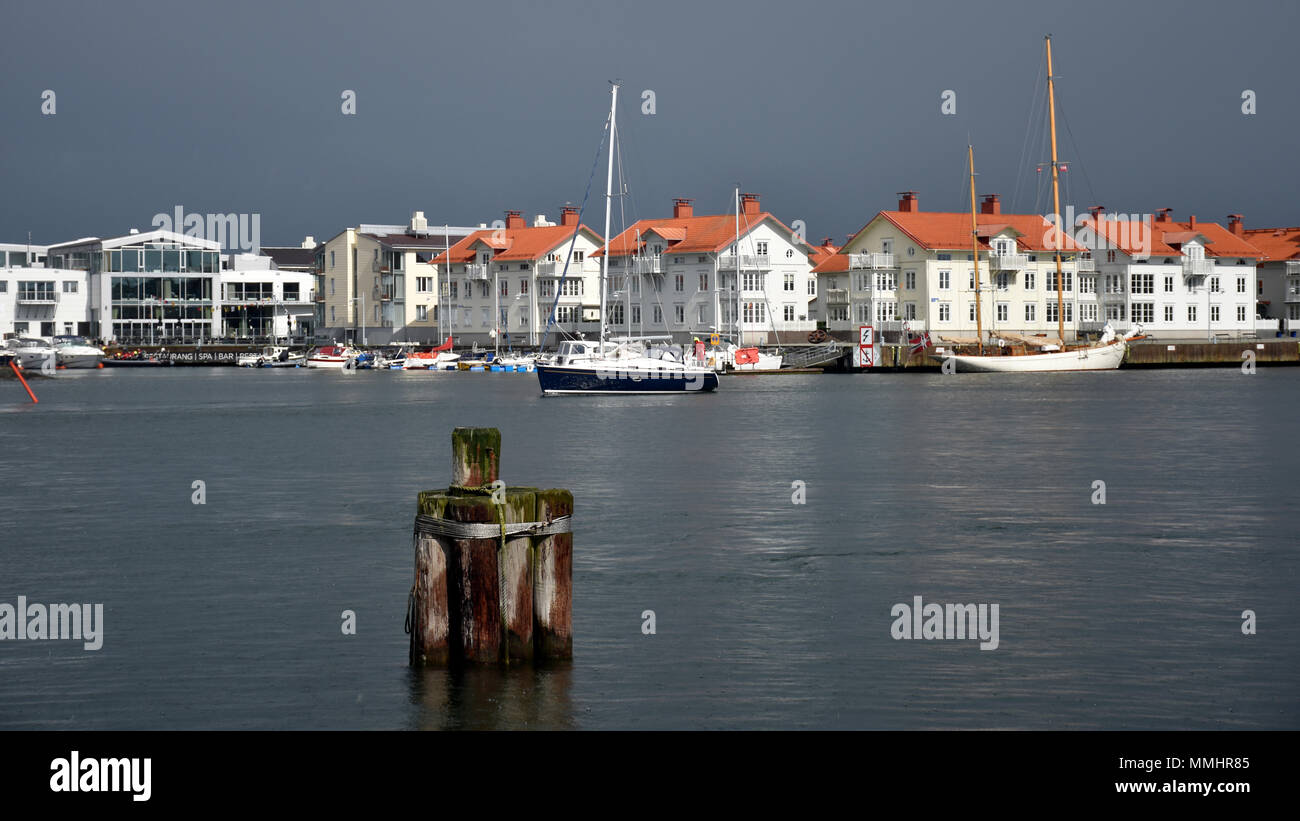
(32,353)
(77,352)
(331,356)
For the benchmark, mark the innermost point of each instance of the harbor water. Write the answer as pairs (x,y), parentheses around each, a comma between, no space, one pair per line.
(771,528)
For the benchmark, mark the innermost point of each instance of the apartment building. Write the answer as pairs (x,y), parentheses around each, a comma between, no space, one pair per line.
(507,282)
(377,284)
(916,269)
(1188,280)
(745,274)
(1277,280)
(38,301)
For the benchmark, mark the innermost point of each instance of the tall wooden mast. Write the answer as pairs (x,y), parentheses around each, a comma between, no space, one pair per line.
(1056,201)
(975,251)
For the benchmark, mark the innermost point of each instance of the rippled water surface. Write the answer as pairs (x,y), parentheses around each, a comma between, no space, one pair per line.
(966,488)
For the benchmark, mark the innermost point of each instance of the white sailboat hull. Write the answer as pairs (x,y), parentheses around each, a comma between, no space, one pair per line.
(1102,358)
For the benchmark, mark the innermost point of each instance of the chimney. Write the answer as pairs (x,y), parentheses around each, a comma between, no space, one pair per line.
(749,205)
(514,219)
(1235,225)
(908,203)
(1191,222)
(1164,215)
(568,215)
(827,243)
(992,204)
(682,208)
(309,242)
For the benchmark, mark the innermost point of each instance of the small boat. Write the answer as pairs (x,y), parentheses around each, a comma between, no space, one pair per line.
(331,356)
(32,353)
(431,361)
(77,352)
(272,356)
(732,358)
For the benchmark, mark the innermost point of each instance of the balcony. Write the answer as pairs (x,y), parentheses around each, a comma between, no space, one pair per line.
(1008,262)
(643,265)
(476,272)
(731,262)
(38,297)
(1085,264)
(1292,267)
(1292,291)
(1198,267)
(837,296)
(871,261)
(555,268)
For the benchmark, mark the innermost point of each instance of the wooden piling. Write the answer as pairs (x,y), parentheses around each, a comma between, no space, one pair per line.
(474,599)
(553,580)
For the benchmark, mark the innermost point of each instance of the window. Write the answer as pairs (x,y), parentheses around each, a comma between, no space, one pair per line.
(485,317)
(4,286)
(789,254)
(658,315)
(752,282)
(787,313)
(523,286)
(909,280)
(1169,313)
(1031,280)
(331,314)
(1088,312)
(571,287)
(547,287)
(701,315)
(1241,313)
(453,288)
(331,259)
(1112,284)
(505,287)
(1191,313)
(812,286)
(754,312)
(1069,311)
(886,281)
(1214,285)
(909,310)
(291,292)
(762,248)
(945,281)
(679,283)
(1144,312)
(945,311)
(886,311)
(1003,311)
(970,283)
(701,259)
(1169,285)
(679,313)
(704,282)
(863,313)
(788,282)
(1004,281)
(69,286)
(945,257)
(636,314)
(1241,285)
(577,256)
(1142,284)
(1214,313)
(1051,281)
(971,312)
(331,286)
(421,313)
(424,285)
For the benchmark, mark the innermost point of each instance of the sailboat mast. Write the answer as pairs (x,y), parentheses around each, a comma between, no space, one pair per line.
(609,200)
(975,251)
(1056,200)
(735,250)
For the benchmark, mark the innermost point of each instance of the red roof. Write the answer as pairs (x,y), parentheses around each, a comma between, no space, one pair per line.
(1219,241)
(1275,243)
(687,235)
(524,244)
(938,230)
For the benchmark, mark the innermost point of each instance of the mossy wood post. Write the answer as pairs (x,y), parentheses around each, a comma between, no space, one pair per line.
(475,598)
(553,580)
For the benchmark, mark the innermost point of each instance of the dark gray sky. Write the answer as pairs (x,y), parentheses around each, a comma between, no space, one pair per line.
(826,109)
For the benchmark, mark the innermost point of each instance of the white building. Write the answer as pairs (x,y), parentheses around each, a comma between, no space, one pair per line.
(1179,280)
(258,299)
(1277,276)
(38,301)
(519,274)
(746,275)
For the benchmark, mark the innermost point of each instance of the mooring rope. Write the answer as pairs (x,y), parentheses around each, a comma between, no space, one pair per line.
(433,526)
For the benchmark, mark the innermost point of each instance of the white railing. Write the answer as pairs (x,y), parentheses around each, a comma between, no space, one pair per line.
(38,297)
(730,262)
(1198,267)
(1292,266)
(1085,264)
(555,268)
(1008,262)
(870,261)
(479,272)
(837,296)
(643,265)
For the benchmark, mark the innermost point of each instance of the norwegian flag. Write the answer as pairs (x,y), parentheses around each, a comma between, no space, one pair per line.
(919,341)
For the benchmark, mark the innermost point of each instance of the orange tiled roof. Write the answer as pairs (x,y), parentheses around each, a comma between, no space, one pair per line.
(821,253)
(529,243)
(698,235)
(1135,238)
(938,230)
(1275,243)
(1220,242)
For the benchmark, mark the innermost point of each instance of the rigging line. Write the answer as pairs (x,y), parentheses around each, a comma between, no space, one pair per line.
(595,164)
(1078,154)
(1025,143)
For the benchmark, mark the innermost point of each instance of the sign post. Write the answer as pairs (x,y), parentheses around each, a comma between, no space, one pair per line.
(865,356)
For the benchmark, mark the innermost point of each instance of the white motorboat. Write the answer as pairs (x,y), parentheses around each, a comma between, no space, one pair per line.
(77,352)
(732,358)
(1106,355)
(272,356)
(32,353)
